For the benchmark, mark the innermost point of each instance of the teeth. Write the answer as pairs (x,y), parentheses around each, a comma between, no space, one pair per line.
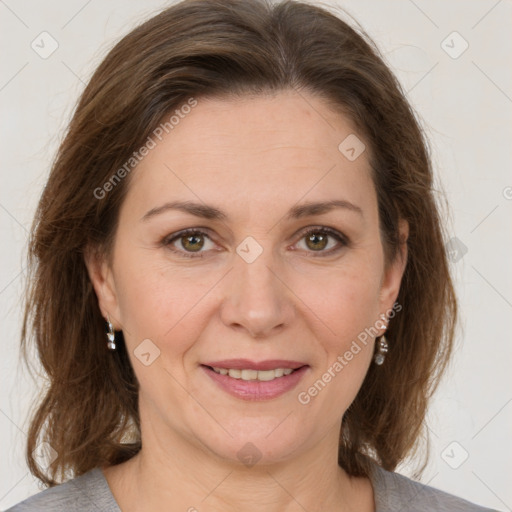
(261,375)
(248,374)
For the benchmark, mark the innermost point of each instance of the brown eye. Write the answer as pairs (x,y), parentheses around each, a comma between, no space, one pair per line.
(317,242)
(192,242)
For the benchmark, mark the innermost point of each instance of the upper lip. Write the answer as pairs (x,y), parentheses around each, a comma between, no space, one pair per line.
(242,364)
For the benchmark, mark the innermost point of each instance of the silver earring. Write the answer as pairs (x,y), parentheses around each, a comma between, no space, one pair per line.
(111,335)
(382,349)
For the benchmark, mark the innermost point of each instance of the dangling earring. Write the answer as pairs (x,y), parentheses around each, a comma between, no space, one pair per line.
(382,349)
(111,335)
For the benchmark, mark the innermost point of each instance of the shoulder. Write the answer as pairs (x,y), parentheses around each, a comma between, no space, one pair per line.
(395,492)
(87,492)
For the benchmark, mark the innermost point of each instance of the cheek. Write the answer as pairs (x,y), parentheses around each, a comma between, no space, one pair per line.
(162,303)
(347,304)
(145,299)
(348,311)
(345,299)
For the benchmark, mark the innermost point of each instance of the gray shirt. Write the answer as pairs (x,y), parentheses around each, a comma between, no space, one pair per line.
(393,493)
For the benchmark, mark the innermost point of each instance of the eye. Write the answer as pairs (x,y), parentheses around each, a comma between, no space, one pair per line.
(317,239)
(191,242)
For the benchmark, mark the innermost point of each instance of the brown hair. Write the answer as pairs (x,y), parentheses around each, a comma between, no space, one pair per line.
(199,48)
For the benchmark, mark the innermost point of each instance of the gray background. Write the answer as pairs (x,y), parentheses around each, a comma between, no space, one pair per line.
(464,100)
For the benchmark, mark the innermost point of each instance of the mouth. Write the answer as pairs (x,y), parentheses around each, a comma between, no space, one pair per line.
(248,374)
(255,381)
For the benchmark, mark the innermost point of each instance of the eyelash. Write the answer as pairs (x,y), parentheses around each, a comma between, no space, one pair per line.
(342,239)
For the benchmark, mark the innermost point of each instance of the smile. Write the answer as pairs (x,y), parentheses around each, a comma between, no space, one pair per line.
(247,374)
(255,385)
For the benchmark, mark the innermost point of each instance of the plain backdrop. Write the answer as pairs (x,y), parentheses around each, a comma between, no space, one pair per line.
(454,60)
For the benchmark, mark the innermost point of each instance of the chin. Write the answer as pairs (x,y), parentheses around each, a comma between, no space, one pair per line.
(263,444)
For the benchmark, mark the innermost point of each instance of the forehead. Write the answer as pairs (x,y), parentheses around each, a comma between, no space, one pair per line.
(298,123)
(258,151)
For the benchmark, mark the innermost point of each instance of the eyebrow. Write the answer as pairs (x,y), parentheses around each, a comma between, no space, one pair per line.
(212,213)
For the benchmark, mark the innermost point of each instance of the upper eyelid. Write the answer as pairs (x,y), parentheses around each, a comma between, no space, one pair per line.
(207,231)
(333,232)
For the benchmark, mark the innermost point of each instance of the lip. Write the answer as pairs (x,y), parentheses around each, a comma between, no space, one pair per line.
(254,390)
(247,364)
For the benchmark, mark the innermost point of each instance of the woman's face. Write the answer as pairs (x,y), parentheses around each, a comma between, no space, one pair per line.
(266,277)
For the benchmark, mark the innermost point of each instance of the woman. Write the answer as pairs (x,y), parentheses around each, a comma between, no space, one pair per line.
(240,292)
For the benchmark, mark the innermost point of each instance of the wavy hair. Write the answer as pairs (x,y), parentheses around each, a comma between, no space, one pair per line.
(88,412)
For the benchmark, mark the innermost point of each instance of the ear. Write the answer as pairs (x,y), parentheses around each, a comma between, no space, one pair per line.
(394,272)
(102,279)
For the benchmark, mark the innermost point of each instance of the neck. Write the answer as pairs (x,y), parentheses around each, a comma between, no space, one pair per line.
(171,469)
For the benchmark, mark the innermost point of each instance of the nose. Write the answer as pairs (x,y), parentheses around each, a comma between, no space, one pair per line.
(257,300)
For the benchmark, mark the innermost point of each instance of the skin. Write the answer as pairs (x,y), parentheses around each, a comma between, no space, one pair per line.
(253,158)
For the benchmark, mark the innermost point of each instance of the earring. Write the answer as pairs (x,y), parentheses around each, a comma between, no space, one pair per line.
(111,336)
(381,351)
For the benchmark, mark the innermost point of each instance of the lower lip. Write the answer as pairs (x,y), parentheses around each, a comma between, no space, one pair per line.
(255,389)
